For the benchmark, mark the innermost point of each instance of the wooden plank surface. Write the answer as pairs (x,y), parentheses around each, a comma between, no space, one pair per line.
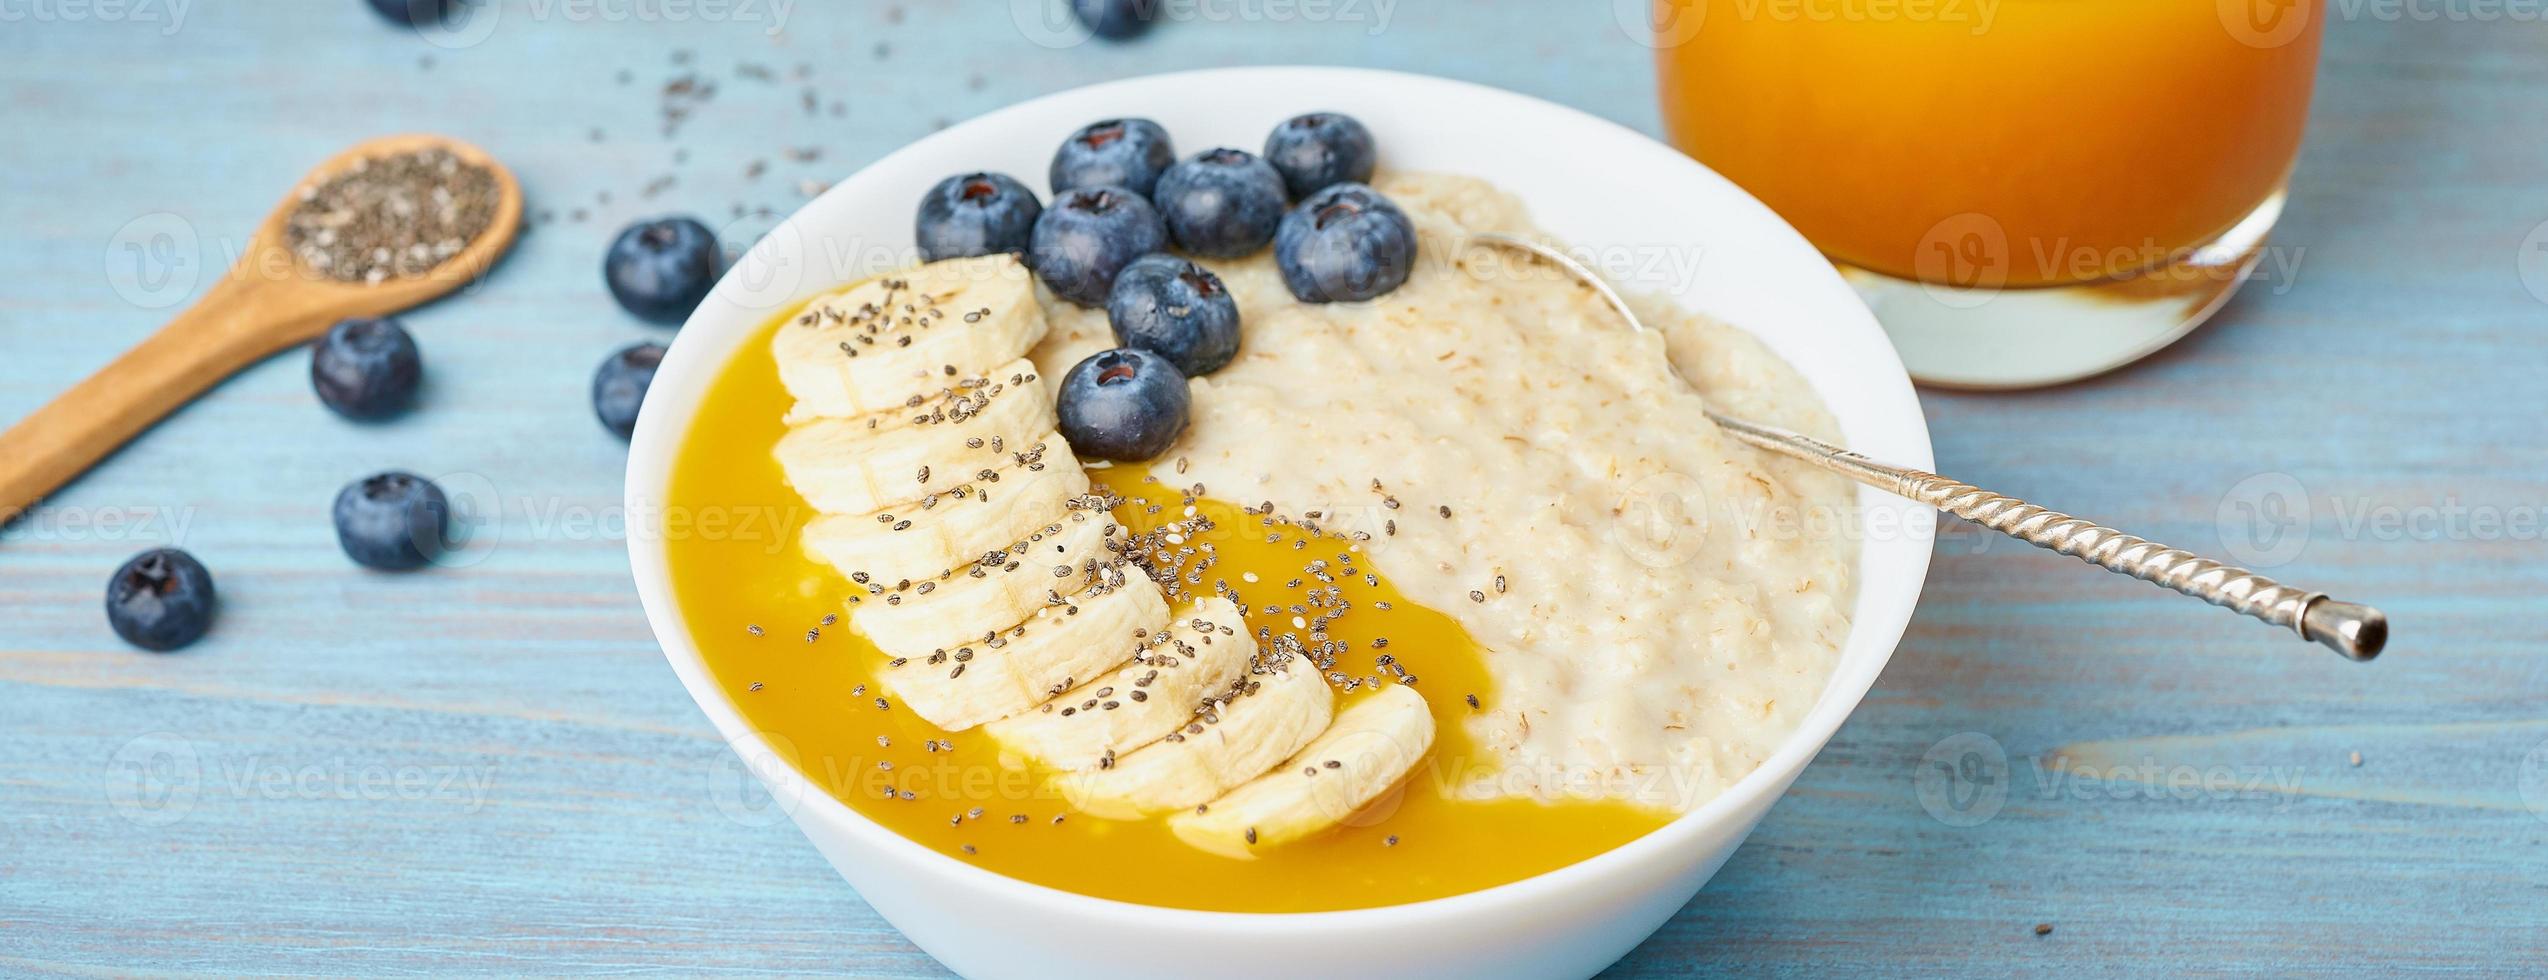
(489,769)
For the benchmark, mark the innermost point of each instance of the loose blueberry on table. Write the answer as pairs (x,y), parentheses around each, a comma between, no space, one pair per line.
(1221,203)
(392,521)
(1345,244)
(1088,236)
(1124,404)
(1176,309)
(1114,20)
(1126,153)
(160,600)
(1316,150)
(411,11)
(661,269)
(976,214)
(619,385)
(366,368)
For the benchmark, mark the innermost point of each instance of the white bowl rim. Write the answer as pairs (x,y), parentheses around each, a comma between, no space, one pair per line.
(658,435)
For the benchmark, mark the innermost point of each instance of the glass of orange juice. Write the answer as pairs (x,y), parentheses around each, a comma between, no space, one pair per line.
(2026,191)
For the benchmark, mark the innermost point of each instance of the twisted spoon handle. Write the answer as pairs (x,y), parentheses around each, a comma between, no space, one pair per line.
(2352,629)
(2357,631)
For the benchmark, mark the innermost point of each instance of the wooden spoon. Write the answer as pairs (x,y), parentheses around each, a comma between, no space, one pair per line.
(269,301)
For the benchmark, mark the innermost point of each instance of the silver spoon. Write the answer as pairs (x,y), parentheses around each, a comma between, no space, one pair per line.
(2352,629)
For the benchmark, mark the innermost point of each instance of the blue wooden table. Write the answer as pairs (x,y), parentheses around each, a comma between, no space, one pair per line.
(490,769)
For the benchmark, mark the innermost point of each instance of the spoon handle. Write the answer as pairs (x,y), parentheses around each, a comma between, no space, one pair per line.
(2354,630)
(194,351)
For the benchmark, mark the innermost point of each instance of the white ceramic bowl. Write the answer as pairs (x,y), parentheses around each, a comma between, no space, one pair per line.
(1672,225)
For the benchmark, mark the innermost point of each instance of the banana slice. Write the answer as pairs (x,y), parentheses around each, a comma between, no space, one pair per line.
(1200,654)
(863,465)
(997,589)
(931,537)
(1372,745)
(873,346)
(1273,716)
(1012,670)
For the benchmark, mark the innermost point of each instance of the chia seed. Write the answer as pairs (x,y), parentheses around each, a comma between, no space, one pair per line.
(396,216)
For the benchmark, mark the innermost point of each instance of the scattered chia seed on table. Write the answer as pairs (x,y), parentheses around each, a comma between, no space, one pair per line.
(393,216)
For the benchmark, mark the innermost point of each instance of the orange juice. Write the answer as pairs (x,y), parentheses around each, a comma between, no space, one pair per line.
(2016,142)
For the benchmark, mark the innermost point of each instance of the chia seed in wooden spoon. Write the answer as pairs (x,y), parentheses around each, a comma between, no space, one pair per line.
(393,216)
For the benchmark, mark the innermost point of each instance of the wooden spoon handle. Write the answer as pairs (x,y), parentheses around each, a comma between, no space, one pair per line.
(226,330)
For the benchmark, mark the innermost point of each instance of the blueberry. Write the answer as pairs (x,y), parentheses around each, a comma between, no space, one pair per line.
(619,386)
(975,214)
(1178,310)
(1344,244)
(1116,20)
(366,368)
(1127,153)
(392,521)
(411,11)
(661,269)
(1221,203)
(160,600)
(1124,404)
(1088,236)
(1317,149)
